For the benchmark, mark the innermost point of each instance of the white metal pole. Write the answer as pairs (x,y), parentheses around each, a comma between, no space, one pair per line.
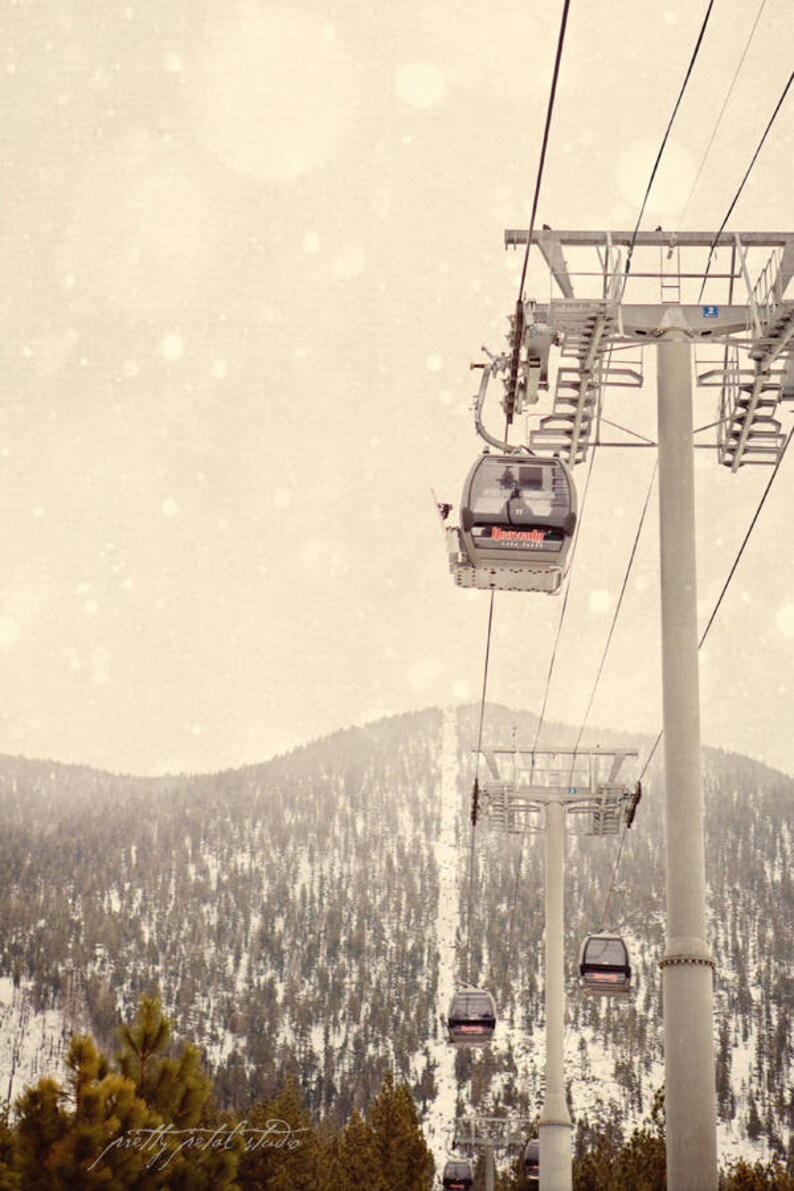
(690,1099)
(555,1120)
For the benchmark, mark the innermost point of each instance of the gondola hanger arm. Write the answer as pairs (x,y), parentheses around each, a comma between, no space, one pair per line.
(495,364)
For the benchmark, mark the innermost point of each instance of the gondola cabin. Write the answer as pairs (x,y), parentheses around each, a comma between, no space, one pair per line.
(517,520)
(532,1162)
(604,968)
(458,1175)
(471,1020)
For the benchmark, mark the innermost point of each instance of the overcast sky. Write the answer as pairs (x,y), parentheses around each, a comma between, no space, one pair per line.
(248,254)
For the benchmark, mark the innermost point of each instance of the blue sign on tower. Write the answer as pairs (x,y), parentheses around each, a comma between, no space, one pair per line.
(711,311)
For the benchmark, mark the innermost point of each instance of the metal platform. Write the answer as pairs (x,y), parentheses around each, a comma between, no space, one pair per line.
(756,336)
(477,1132)
(520,783)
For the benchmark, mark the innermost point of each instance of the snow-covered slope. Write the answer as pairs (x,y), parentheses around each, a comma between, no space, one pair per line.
(308,915)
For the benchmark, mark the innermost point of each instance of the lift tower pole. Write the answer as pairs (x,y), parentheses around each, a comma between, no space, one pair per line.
(555,1120)
(690,1106)
(530,790)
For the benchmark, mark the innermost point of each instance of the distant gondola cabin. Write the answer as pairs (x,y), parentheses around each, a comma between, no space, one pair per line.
(471,1020)
(604,968)
(458,1175)
(517,520)
(532,1162)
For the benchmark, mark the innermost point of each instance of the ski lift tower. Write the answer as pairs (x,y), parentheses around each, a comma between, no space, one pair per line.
(529,790)
(749,342)
(479,1132)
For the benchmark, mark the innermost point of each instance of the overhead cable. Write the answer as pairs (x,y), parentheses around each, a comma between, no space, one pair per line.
(692,60)
(614,876)
(564,608)
(617,607)
(512,384)
(715,129)
(731,574)
(542,716)
(736,197)
(544,145)
(475,796)
(518,328)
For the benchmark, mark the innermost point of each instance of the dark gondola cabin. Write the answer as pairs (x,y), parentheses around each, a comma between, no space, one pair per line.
(458,1175)
(471,1020)
(532,1162)
(517,519)
(604,968)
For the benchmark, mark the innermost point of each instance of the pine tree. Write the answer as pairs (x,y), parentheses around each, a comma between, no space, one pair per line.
(143,1043)
(99,1132)
(179,1088)
(758,1177)
(358,1158)
(403,1151)
(282,1152)
(41,1123)
(179,1091)
(215,1165)
(327,1169)
(726,1105)
(594,1171)
(97,1143)
(639,1164)
(754,1126)
(9,1178)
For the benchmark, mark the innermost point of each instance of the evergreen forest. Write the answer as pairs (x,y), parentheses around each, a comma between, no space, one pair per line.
(276,939)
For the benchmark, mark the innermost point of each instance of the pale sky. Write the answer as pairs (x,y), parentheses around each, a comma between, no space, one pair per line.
(249,251)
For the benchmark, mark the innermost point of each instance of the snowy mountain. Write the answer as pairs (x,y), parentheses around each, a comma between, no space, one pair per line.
(310,915)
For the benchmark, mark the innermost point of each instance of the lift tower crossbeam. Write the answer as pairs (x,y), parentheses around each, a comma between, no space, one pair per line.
(521,782)
(488,1134)
(589,329)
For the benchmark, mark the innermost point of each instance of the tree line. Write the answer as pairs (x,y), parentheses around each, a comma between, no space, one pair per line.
(147,1119)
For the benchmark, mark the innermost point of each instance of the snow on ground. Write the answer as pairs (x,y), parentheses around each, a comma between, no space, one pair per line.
(440,1121)
(32,1044)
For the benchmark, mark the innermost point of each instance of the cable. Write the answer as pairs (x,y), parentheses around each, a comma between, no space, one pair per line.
(617,608)
(518,335)
(648,442)
(746,539)
(692,60)
(511,390)
(599,672)
(731,574)
(518,328)
(541,163)
(476,789)
(564,606)
(614,875)
(788,440)
(714,131)
(542,717)
(651,754)
(735,199)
